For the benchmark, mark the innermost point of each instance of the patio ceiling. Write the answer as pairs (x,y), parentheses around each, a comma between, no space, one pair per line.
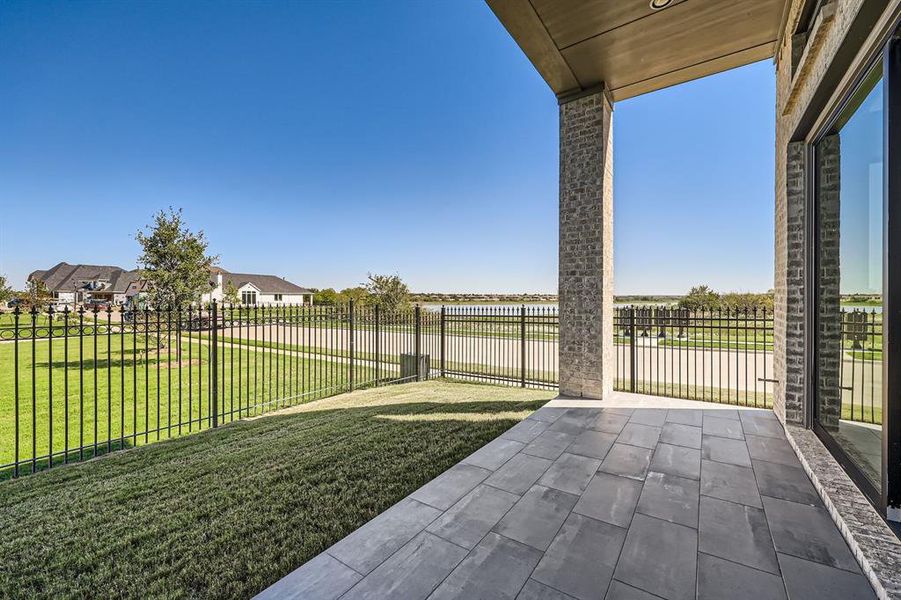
(633,49)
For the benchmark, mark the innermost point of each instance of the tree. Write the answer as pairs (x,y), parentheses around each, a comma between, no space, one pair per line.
(388,291)
(174,260)
(230,293)
(358,295)
(326,297)
(6,291)
(37,296)
(700,297)
(746,301)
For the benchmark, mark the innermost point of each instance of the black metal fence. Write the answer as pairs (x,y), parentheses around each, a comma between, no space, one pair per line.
(721,356)
(860,374)
(78,383)
(717,356)
(496,344)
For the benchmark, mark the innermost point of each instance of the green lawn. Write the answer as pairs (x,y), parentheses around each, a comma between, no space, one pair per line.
(8,319)
(142,394)
(226,512)
(40,321)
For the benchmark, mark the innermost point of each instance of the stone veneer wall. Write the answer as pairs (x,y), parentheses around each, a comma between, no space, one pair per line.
(790,399)
(586,247)
(829,319)
(789,360)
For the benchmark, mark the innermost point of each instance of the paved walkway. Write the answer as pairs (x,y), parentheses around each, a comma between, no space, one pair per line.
(634,498)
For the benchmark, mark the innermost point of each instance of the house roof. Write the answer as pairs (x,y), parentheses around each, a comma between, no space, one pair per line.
(136,287)
(267,284)
(64,277)
(630,48)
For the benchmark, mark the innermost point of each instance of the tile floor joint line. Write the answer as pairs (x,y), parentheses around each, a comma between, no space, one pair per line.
(381,562)
(342,562)
(547,585)
(438,535)
(729,560)
(482,539)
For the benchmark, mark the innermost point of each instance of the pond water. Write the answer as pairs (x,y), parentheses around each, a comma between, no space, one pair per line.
(436,306)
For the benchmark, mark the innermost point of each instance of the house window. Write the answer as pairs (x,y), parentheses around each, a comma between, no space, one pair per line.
(248,297)
(278,297)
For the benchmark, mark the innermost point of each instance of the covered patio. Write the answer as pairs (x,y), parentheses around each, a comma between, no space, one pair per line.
(636,497)
(603,494)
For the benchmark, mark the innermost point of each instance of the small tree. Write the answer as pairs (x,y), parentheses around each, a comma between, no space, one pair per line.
(174,260)
(700,297)
(230,293)
(358,295)
(6,291)
(37,296)
(388,291)
(326,297)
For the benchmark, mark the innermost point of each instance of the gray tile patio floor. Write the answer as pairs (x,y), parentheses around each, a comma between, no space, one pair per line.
(636,497)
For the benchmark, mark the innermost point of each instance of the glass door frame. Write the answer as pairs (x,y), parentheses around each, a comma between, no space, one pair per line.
(886,499)
(891,284)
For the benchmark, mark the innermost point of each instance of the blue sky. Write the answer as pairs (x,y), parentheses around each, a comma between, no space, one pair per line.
(322,141)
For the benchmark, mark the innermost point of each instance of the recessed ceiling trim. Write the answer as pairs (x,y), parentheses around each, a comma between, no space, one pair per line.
(633,48)
(695,71)
(568,43)
(529,32)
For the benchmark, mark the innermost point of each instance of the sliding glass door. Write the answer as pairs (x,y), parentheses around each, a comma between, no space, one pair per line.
(857,283)
(850,223)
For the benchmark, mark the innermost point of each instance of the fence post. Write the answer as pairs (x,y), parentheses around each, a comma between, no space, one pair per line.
(377,346)
(16,314)
(350,310)
(522,345)
(417,341)
(214,365)
(443,340)
(633,354)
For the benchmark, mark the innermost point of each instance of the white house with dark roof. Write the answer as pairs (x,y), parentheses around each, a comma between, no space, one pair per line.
(70,284)
(257,289)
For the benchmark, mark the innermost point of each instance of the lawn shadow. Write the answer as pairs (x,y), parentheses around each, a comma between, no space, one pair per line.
(128,358)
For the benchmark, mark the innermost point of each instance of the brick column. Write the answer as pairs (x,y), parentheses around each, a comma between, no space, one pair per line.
(829,316)
(789,344)
(586,247)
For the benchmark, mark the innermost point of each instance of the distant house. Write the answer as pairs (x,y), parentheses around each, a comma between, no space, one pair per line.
(70,284)
(76,284)
(257,289)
